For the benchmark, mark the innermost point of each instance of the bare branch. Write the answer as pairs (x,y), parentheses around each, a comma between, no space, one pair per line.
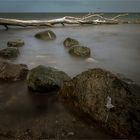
(90,18)
(121,15)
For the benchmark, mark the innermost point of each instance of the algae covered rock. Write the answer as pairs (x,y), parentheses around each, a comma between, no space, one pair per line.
(107,99)
(80,51)
(15,43)
(46,35)
(13,72)
(10,52)
(43,79)
(69,42)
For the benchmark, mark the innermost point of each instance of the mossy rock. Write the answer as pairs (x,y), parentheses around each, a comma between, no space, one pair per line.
(12,72)
(107,100)
(69,42)
(15,43)
(46,35)
(79,51)
(10,52)
(45,79)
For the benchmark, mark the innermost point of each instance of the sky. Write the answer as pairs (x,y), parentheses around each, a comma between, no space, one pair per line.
(69,6)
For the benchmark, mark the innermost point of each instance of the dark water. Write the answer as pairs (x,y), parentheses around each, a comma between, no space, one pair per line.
(113,47)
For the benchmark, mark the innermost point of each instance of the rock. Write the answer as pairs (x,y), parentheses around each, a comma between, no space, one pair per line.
(46,35)
(69,42)
(15,43)
(107,99)
(70,133)
(10,52)
(43,79)
(91,60)
(79,51)
(13,72)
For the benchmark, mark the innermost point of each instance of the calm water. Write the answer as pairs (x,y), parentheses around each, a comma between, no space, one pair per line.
(114,47)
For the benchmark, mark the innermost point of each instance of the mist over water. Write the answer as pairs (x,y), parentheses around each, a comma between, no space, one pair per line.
(114,47)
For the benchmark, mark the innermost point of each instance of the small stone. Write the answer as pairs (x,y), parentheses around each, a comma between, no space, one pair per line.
(79,51)
(69,42)
(46,35)
(73,120)
(70,133)
(91,60)
(15,43)
(10,52)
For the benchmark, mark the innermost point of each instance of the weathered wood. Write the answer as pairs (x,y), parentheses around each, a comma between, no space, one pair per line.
(88,19)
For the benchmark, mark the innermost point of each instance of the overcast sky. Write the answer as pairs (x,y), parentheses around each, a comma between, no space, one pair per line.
(69,5)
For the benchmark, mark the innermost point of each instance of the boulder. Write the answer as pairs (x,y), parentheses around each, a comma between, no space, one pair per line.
(13,72)
(43,79)
(10,52)
(15,43)
(69,42)
(46,35)
(79,51)
(107,100)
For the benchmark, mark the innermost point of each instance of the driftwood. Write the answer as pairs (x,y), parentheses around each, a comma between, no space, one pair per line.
(94,19)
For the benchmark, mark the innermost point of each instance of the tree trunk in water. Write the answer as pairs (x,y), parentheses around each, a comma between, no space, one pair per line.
(93,19)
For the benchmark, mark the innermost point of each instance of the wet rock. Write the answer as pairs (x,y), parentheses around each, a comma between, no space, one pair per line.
(43,79)
(70,133)
(79,51)
(10,52)
(69,42)
(46,35)
(107,99)
(91,60)
(15,43)
(9,71)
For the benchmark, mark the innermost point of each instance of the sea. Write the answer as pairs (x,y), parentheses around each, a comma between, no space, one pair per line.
(115,48)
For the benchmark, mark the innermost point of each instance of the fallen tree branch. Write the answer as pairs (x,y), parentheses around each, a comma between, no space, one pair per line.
(121,15)
(88,19)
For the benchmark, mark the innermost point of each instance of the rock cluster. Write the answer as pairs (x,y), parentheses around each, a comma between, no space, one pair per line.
(75,49)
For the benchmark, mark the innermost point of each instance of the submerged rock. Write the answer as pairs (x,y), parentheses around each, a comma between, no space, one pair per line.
(10,52)
(69,42)
(15,43)
(9,71)
(107,99)
(43,79)
(46,35)
(79,51)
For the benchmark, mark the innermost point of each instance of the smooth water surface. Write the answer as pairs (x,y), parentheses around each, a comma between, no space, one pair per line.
(114,47)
